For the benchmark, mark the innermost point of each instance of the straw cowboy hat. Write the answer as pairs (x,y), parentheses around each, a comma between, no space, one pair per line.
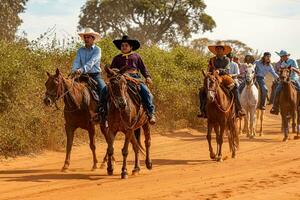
(227,49)
(283,53)
(134,43)
(89,31)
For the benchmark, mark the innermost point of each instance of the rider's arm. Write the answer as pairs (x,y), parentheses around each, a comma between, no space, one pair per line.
(272,71)
(96,56)
(142,68)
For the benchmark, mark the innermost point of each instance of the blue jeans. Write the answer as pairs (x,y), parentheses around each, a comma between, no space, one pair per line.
(100,83)
(146,96)
(273,93)
(263,89)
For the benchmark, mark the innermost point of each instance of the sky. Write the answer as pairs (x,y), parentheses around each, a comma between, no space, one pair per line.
(265,25)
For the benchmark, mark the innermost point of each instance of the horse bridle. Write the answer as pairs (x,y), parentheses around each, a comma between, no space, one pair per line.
(114,99)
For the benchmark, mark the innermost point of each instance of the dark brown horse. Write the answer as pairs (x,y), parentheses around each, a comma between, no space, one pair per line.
(220,116)
(79,110)
(288,102)
(125,114)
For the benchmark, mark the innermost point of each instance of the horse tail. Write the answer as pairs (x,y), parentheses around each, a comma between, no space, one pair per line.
(233,136)
(138,145)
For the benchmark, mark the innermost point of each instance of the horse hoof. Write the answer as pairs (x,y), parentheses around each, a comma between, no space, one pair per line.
(124,175)
(110,172)
(94,168)
(103,165)
(233,155)
(219,159)
(136,171)
(296,137)
(64,169)
(285,139)
(212,156)
(149,165)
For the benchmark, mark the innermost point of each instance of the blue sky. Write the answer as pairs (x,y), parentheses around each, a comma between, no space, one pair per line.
(266,25)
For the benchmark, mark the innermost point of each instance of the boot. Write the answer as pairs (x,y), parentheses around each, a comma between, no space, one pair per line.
(239,110)
(275,108)
(102,113)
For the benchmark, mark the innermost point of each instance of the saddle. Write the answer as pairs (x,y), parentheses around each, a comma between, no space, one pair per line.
(133,89)
(91,85)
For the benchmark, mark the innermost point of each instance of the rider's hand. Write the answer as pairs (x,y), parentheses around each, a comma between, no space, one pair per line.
(218,71)
(149,81)
(77,72)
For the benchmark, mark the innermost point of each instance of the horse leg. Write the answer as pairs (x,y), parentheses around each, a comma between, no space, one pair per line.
(137,168)
(220,143)
(110,151)
(70,136)
(91,131)
(147,134)
(104,131)
(262,113)
(285,127)
(128,135)
(208,137)
(252,122)
(246,126)
(294,121)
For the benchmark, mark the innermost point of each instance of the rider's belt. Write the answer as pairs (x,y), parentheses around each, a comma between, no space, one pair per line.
(93,74)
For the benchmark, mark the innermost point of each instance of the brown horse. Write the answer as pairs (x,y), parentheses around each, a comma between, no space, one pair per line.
(288,102)
(125,114)
(79,109)
(220,116)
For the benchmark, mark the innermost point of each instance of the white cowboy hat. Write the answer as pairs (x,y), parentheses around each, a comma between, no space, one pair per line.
(89,31)
(227,49)
(283,53)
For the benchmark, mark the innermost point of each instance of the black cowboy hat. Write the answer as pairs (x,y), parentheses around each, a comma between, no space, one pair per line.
(134,43)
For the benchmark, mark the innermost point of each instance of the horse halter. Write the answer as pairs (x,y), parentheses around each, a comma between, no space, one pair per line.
(211,92)
(118,101)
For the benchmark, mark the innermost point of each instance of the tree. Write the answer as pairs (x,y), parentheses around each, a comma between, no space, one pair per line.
(9,18)
(150,21)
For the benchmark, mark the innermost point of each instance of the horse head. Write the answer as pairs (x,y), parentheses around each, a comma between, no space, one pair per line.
(284,74)
(54,88)
(250,75)
(117,86)
(211,83)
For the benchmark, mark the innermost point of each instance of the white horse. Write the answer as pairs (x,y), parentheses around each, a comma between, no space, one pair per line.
(249,101)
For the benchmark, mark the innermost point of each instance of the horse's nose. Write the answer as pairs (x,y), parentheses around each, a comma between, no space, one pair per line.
(47,101)
(122,103)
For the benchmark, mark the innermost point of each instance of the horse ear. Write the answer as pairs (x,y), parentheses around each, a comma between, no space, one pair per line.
(123,69)
(204,73)
(48,74)
(109,71)
(57,72)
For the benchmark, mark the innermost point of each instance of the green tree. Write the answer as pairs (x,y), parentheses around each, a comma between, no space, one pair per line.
(150,21)
(9,18)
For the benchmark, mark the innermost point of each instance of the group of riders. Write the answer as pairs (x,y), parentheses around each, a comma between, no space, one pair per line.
(234,73)
(225,63)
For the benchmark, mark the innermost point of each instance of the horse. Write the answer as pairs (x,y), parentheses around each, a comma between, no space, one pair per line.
(220,116)
(126,114)
(79,110)
(288,102)
(249,101)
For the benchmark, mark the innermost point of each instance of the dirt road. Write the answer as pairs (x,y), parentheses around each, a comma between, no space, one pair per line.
(265,168)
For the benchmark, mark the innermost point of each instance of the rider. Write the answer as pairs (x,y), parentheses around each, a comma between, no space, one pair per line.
(286,62)
(221,64)
(135,64)
(234,69)
(88,57)
(249,59)
(262,68)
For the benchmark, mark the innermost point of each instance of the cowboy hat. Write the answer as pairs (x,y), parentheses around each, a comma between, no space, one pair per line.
(283,53)
(134,43)
(89,31)
(227,49)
